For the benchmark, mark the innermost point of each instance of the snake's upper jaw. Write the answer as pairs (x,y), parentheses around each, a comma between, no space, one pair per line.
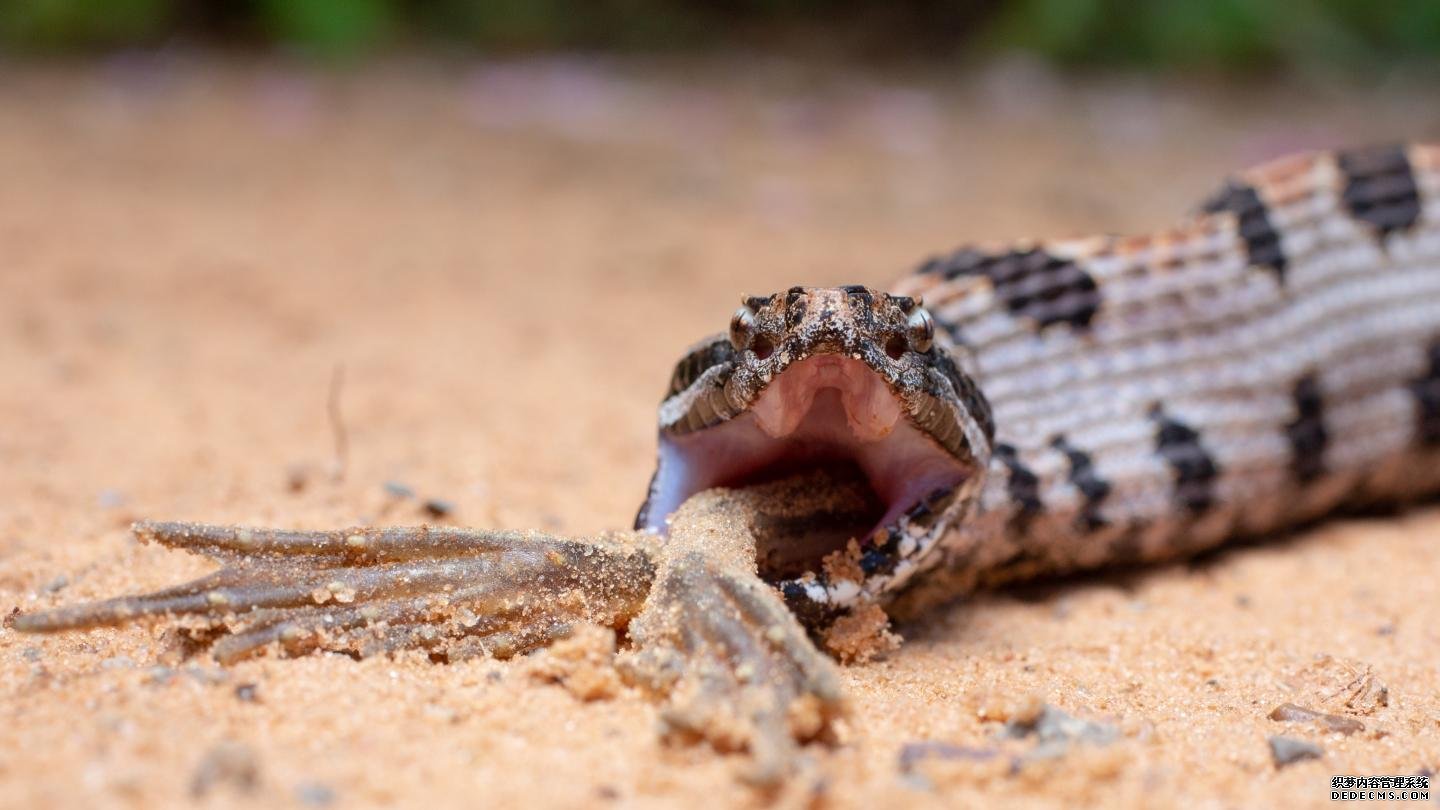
(826,412)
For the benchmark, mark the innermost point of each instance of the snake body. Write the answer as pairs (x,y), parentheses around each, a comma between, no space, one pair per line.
(1272,360)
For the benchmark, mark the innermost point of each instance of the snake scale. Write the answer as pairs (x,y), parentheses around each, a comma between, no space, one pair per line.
(1004,412)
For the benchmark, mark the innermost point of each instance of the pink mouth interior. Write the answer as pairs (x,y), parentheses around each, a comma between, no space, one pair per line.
(822,411)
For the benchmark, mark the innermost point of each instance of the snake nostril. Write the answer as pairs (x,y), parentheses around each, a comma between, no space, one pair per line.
(762,347)
(895,347)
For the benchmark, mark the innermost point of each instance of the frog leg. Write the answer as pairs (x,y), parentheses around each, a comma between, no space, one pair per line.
(731,662)
(370,590)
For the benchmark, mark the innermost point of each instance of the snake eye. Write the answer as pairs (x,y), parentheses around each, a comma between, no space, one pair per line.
(921,329)
(742,327)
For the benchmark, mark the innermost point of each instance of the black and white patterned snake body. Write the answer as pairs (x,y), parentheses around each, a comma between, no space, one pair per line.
(1273,360)
(1270,362)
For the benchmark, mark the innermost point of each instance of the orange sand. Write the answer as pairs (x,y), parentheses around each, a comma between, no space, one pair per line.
(505,261)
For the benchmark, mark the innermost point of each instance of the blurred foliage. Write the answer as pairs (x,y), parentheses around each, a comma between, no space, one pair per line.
(332,27)
(1232,34)
(1228,34)
(53,24)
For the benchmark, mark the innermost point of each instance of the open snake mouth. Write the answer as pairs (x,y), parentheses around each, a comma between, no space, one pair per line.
(828,415)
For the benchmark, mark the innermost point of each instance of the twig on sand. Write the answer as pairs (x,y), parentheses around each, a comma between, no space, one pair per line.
(337,425)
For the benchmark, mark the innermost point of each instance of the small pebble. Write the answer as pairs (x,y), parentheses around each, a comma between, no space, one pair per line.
(1291,713)
(231,763)
(297,477)
(913,753)
(1288,750)
(1055,732)
(315,794)
(248,692)
(110,499)
(56,584)
(395,489)
(207,676)
(1052,724)
(917,782)
(344,594)
(436,507)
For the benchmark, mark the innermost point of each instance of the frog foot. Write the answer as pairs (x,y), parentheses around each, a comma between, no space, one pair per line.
(731,663)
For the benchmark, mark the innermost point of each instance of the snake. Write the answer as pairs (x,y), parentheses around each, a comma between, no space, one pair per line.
(1064,405)
(1003,412)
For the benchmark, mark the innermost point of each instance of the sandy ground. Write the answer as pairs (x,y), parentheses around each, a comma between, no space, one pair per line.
(505,260)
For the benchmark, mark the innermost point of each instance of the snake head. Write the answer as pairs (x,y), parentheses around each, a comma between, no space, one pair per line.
(824,379)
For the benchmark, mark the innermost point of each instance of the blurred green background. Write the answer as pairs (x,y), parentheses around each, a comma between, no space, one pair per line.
(1231,35)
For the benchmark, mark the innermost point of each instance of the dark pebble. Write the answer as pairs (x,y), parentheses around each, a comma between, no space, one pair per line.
(395,489)
(1051,724)
(1288,750)
(913,753)
(1055,733)
(297,477)
(248,692)
(436,507)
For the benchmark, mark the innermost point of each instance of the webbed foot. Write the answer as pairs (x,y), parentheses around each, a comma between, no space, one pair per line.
(453,592)
(733,664)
